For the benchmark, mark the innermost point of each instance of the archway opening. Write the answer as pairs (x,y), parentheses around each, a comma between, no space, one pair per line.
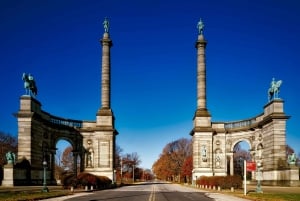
(241,152)
(64,160)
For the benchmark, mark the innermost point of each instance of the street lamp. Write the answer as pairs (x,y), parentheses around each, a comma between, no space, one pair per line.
(259,178)
(45,189)
(115,177)
(133,173)
(121,171)
(241,164)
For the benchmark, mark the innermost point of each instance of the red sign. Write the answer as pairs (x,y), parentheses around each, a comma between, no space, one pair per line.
(250,166)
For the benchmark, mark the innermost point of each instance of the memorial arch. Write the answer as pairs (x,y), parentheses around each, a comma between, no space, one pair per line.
(38,133)
(213,142)
(93,142)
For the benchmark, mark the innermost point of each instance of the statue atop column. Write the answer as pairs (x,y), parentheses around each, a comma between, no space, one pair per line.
(106,25)
(200,26)
(274,89)
(29,84)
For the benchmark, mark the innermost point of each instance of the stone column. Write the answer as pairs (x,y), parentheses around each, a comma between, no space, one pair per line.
(201,72)
(52,165)
(202,131)
(231,164)
(75,155)
(105,81)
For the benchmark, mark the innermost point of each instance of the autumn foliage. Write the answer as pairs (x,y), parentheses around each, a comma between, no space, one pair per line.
(175,162)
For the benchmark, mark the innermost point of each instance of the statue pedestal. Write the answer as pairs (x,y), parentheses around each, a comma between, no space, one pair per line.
(8,175)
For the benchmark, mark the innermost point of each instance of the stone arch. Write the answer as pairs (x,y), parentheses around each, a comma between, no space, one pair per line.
(38,134)
(241,140)
(76,149)
(265,135)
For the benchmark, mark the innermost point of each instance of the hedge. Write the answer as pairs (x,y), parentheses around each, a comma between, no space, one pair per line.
(225,182)
(86,179)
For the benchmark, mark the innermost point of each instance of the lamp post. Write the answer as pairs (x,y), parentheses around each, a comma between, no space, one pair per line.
(45,188)
(133,173)
(115,177)
(121,171)
(258,178)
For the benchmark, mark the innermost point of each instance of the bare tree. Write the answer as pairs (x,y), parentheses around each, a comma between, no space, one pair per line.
(130,163)
(8,142)
(239,155)
(118,153)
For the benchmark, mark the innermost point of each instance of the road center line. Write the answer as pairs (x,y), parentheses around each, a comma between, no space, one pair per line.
(152,195)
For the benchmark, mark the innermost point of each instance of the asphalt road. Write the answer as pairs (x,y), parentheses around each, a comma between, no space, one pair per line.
(143,192)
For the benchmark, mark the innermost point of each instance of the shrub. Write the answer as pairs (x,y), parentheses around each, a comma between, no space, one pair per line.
(87,179)
(237,181)
(225,182)
(203,180)
(69,180)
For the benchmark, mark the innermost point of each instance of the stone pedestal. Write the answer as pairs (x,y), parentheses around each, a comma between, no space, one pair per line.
(288,177)
(8,175)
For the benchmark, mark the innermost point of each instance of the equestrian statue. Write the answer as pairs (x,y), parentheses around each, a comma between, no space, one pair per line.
(274,89)
(29,84)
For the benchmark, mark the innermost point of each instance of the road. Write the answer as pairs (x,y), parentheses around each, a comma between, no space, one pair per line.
(143,192)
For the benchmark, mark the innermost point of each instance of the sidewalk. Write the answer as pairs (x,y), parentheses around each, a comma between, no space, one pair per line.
(224,197)
(219,196)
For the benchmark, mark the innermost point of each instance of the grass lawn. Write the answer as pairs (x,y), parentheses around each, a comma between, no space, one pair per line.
(27,195)
(267,196)
(275,196)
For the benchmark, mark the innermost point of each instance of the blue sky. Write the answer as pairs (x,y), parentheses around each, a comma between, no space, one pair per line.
(153,62)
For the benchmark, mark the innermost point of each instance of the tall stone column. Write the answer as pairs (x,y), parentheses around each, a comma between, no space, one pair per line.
(105,115)
(202,132)
(201,72)
(105,79)
(202,116)
(102,140)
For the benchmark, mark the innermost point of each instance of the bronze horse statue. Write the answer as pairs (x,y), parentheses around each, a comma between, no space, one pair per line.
(29,84)
(274,89)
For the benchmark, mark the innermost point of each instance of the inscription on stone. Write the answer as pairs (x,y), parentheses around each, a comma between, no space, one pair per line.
(104,154)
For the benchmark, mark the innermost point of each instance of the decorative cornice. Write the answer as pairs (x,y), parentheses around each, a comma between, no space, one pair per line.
(201,113)
(200,43)
(105,112)
(272,116)
(106,42)
(201,129)
(274,100)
